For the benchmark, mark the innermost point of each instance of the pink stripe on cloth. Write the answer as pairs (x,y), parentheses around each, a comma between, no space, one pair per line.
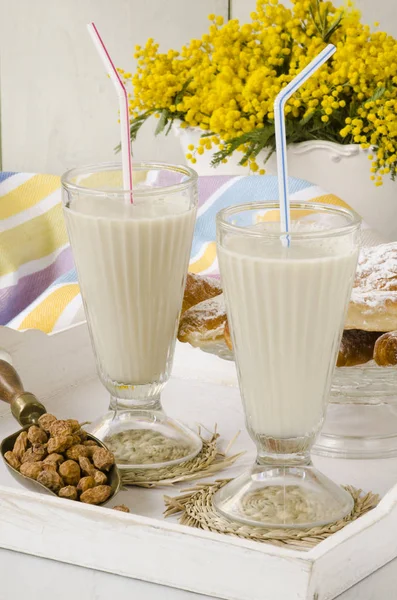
(16,298)
(206,185)
(209,185)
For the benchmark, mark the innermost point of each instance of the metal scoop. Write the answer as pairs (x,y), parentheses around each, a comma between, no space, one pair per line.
(27,410)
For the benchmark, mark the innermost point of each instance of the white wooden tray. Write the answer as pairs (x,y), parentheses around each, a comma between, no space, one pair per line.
(142,545)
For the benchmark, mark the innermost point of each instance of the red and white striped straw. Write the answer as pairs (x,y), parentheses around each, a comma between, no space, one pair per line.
(126,158)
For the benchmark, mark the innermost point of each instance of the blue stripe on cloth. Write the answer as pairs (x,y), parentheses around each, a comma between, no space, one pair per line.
(5,175)
(69,277)
(243,190)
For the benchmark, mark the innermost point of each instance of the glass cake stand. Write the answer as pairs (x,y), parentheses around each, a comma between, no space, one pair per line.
(361,418)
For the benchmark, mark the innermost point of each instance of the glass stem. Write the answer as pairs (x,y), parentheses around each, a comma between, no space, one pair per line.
(271,459)
(153,403)
(284,451)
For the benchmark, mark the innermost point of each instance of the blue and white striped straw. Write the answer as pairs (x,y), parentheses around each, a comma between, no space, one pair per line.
(281,140)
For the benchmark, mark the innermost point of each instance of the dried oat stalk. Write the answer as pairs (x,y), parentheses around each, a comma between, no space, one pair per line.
(195,509)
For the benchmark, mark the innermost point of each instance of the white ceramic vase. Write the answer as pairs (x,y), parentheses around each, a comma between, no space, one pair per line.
(338,169)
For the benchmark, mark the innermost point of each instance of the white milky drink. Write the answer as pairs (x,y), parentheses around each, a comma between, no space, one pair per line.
(131,262)
(287,308)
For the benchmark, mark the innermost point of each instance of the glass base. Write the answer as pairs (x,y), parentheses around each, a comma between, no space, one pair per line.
(145,439)
(283,497)
(358,430)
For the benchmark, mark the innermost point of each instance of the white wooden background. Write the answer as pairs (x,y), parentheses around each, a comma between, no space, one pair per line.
(57,107)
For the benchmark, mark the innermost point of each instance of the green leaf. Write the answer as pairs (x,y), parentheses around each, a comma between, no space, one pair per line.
(377,94)
(272,149)
(182,92)
(313,16)
(163,120)
(169,126)
(336,23)
(256,141)
(308,118)
(135,126)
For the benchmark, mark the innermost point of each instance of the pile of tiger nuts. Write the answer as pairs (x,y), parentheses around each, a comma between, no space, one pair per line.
(57,454)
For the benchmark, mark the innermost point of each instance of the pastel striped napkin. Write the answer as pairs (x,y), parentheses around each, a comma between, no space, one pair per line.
(38,282)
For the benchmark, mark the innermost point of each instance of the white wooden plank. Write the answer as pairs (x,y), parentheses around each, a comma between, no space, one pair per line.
(371,538)
(43,578)
(58,108)
(137,547)
(381,585)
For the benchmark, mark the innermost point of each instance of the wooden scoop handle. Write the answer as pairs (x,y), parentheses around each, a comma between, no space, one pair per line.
(24,406)
(10,383)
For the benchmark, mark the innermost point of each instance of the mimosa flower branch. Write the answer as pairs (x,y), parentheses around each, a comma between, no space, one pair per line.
(225,84)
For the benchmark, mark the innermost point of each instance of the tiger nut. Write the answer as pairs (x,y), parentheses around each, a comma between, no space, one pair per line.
(96,495)
(60,443)
(34,454)
(21,444)
(86,466)
(82,435)
(76,439)
(100,478)
(74,452)
(45,421)
(90,448)
(12,460)
(70,472)
(103,459)
(60,427)
(49,466)
(85,484)
(31,469)
(122,508)
(69,492)
(74,424)
(54,458)
(90,443)
(36,435)
(51,480)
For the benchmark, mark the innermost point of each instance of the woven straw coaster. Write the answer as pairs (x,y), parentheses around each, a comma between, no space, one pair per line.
(196,510)
(210,460)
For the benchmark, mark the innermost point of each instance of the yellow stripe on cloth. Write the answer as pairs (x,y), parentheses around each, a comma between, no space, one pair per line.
(206,259)
(45,315)
(32,240)
(274,215)
(331,199)
(28,194)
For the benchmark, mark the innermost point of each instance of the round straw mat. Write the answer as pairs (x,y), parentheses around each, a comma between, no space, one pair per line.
(196,509)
